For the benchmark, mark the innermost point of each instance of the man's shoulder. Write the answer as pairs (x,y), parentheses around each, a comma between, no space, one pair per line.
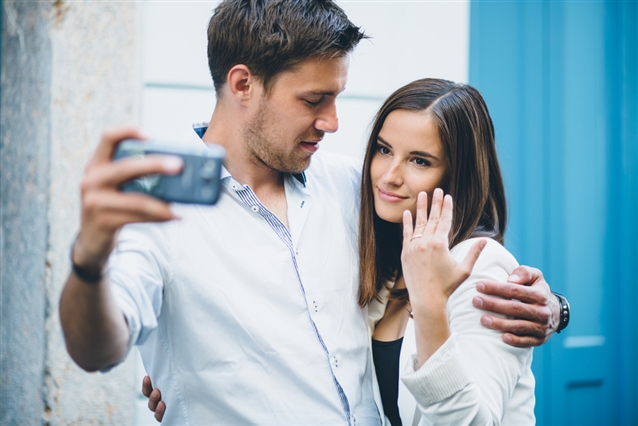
(334,167)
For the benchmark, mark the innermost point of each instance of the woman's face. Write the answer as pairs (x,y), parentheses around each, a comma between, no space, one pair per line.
(409,159)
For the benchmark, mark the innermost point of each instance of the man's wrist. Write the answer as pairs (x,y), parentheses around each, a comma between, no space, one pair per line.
(86,273)
(563,319)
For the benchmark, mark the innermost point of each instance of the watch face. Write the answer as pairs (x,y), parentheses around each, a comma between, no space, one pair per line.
(564,312)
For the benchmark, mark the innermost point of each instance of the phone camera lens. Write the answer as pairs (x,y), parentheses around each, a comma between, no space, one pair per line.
(208,171)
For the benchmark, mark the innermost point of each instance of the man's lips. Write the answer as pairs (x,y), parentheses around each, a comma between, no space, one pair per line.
(390,197)
(311,146)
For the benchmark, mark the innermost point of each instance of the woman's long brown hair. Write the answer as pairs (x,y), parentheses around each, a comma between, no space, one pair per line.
(474,177)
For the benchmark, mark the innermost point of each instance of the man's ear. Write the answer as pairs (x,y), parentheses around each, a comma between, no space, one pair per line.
(242,83)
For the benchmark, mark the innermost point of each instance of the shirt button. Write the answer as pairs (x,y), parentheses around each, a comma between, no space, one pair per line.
(255,208)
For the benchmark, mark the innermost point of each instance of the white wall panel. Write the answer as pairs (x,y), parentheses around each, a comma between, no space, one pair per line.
(410,40)
(175,42)
(168,113)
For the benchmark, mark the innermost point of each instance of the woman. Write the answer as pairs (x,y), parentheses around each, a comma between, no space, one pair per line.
(430,137)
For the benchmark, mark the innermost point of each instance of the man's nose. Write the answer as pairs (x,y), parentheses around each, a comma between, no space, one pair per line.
(328,121)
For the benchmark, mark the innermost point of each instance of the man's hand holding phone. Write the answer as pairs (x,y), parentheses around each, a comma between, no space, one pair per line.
(122,174)
(105,208)
(95,330)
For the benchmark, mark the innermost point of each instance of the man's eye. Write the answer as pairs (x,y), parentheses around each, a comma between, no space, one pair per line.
(312,103)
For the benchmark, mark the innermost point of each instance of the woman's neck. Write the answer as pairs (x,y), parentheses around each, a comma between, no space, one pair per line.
(395,319)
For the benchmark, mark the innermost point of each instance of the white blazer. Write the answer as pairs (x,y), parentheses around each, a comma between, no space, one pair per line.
(474,378)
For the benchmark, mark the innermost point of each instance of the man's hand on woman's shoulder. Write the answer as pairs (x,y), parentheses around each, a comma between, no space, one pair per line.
(528,299)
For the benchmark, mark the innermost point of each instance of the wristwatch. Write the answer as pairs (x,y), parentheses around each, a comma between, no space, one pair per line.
(88,275)
(564,312)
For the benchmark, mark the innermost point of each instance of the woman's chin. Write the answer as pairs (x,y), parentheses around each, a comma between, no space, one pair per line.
(392,217)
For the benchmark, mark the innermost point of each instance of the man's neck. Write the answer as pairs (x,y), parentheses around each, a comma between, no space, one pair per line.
(266,183)
(244,168)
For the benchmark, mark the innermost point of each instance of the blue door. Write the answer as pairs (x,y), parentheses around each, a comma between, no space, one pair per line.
(561,81)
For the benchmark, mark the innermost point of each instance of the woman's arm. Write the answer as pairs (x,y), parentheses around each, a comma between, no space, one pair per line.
(431,274)
(463,373)
(475,378)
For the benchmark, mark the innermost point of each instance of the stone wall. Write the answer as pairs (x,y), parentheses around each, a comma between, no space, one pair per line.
(69,71)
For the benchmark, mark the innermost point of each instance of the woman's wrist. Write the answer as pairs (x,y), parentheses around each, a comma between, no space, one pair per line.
(429,305)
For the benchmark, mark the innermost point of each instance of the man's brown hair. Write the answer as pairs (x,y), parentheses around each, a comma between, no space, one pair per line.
(272,36)
(473,179)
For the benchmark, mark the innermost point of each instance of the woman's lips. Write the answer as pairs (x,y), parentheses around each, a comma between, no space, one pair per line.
(390,197)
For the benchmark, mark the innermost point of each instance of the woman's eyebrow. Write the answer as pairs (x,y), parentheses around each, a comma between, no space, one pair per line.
(418,153)
(424,154)
(383,141)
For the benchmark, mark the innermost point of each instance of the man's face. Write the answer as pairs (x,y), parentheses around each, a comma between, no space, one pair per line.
(292,119)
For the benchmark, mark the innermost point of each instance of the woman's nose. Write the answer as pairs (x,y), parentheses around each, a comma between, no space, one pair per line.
(392,175)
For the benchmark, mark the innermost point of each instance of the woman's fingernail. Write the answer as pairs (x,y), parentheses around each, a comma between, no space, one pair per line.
(486,321)
(480,286)
(514,278)
(478,302)
(507,338)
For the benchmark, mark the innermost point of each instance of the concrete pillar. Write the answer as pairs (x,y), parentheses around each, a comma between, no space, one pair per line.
(24,193)
(69,71)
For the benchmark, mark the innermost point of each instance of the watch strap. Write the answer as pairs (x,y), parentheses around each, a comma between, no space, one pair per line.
(563,320)
(88,275)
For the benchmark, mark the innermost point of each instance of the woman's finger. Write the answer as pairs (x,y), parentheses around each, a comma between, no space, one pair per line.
(445,222)
(421,213)
(407,228)
(435,212)
(472,256)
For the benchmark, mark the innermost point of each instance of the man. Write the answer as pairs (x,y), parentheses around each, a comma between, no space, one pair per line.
(246,312)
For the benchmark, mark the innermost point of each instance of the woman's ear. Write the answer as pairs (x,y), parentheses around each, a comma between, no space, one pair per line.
(242,83)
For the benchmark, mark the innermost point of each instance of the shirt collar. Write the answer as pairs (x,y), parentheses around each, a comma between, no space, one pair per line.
(200,129)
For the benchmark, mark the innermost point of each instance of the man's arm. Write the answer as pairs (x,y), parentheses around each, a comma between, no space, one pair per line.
(94,327)
(526,297)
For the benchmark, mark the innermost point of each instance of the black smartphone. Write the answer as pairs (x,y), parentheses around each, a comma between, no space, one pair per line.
(197,183)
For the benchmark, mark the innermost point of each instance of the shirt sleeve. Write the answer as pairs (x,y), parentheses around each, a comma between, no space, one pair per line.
(470,379)
(138,269)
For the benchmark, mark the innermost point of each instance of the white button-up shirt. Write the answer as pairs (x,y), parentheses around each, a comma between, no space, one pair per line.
(241,320)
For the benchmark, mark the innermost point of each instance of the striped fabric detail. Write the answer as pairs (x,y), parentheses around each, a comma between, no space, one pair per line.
(248,197)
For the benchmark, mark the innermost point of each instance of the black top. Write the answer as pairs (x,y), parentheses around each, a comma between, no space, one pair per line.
(386,364)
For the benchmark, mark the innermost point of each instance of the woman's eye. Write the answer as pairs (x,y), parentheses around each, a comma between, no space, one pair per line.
(383,150)
(421,162)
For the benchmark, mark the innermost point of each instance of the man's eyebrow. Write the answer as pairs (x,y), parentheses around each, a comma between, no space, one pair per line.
(417,153)
(322,92)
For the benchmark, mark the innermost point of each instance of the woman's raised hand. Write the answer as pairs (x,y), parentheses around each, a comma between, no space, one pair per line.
(431,274)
